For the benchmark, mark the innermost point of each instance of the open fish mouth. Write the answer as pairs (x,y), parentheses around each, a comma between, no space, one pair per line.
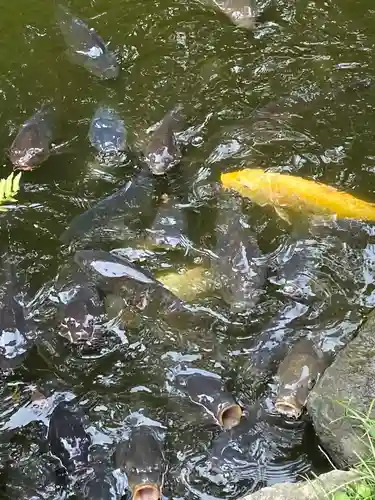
(22,166)
(289,408)
(28,160)
(147,492)
(230,416)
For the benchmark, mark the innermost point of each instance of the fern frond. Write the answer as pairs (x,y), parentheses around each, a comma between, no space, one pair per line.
(9,187)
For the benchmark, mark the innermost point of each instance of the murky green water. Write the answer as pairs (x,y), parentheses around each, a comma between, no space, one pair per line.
(315,60)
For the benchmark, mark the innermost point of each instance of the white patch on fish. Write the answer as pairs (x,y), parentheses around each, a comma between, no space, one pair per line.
(72,446)
(66,297)
(12,343)
(304,374)
(115,270)
(94,52)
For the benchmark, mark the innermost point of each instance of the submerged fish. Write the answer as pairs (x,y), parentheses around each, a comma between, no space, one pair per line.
(298,269)
(287,192)
(26,479)
(167,229)
(142,460)
(107,131)
(132,205)
(85,47)
(79,309)
(297,375)
(162,151)
(241,12)
(188,284)
(206,390)
(13,326)
(238,266)
(99,487)
(68,439)
(31,147)
(137,287)
(255,451)
(271,346)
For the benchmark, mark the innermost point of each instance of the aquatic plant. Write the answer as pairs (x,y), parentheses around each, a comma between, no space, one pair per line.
(9,187)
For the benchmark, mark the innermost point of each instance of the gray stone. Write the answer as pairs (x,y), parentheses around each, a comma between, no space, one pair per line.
(316,489)
(348,383)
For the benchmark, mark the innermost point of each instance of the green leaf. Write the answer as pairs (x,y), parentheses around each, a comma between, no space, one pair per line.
(341,496)
(9,187)
(364,491)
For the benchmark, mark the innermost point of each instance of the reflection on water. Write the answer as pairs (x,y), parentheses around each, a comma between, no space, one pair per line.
(293,95)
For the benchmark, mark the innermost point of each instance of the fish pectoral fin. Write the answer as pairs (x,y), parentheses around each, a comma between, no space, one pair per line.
(283,214)
(74,57)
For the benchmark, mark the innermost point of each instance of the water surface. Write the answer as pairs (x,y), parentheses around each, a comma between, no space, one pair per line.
(312,62)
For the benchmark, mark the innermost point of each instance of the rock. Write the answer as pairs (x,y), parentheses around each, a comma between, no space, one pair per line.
(349,380)
(316,489)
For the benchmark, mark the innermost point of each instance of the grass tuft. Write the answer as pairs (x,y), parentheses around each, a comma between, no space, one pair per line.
(362,488)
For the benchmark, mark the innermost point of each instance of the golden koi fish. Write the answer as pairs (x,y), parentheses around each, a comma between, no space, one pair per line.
(189,284)
(287,192)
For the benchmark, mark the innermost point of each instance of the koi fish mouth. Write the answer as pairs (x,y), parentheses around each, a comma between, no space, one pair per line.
(230,416)
(28,160)
(21,166)
(147,492)
(289,407)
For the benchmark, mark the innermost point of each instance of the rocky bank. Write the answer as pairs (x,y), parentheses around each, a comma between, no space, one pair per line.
(348,382)
(307,490)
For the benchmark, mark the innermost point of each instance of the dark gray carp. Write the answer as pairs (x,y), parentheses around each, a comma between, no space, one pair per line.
(255,451)
(239,266)
(133,204)
(119,276)
(162,151)
(31,147)
(99,487)
(298,273)
(68,439)
(297,374)
(13,325)
(85,47)
(107,131)
(299,266)
(272,344)
(79,310)
(206,390)
(142,460)
(167,229)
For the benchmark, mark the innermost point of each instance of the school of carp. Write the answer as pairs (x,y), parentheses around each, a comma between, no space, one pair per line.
(112,288)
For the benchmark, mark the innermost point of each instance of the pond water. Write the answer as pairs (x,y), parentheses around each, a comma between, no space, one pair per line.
(312,62)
